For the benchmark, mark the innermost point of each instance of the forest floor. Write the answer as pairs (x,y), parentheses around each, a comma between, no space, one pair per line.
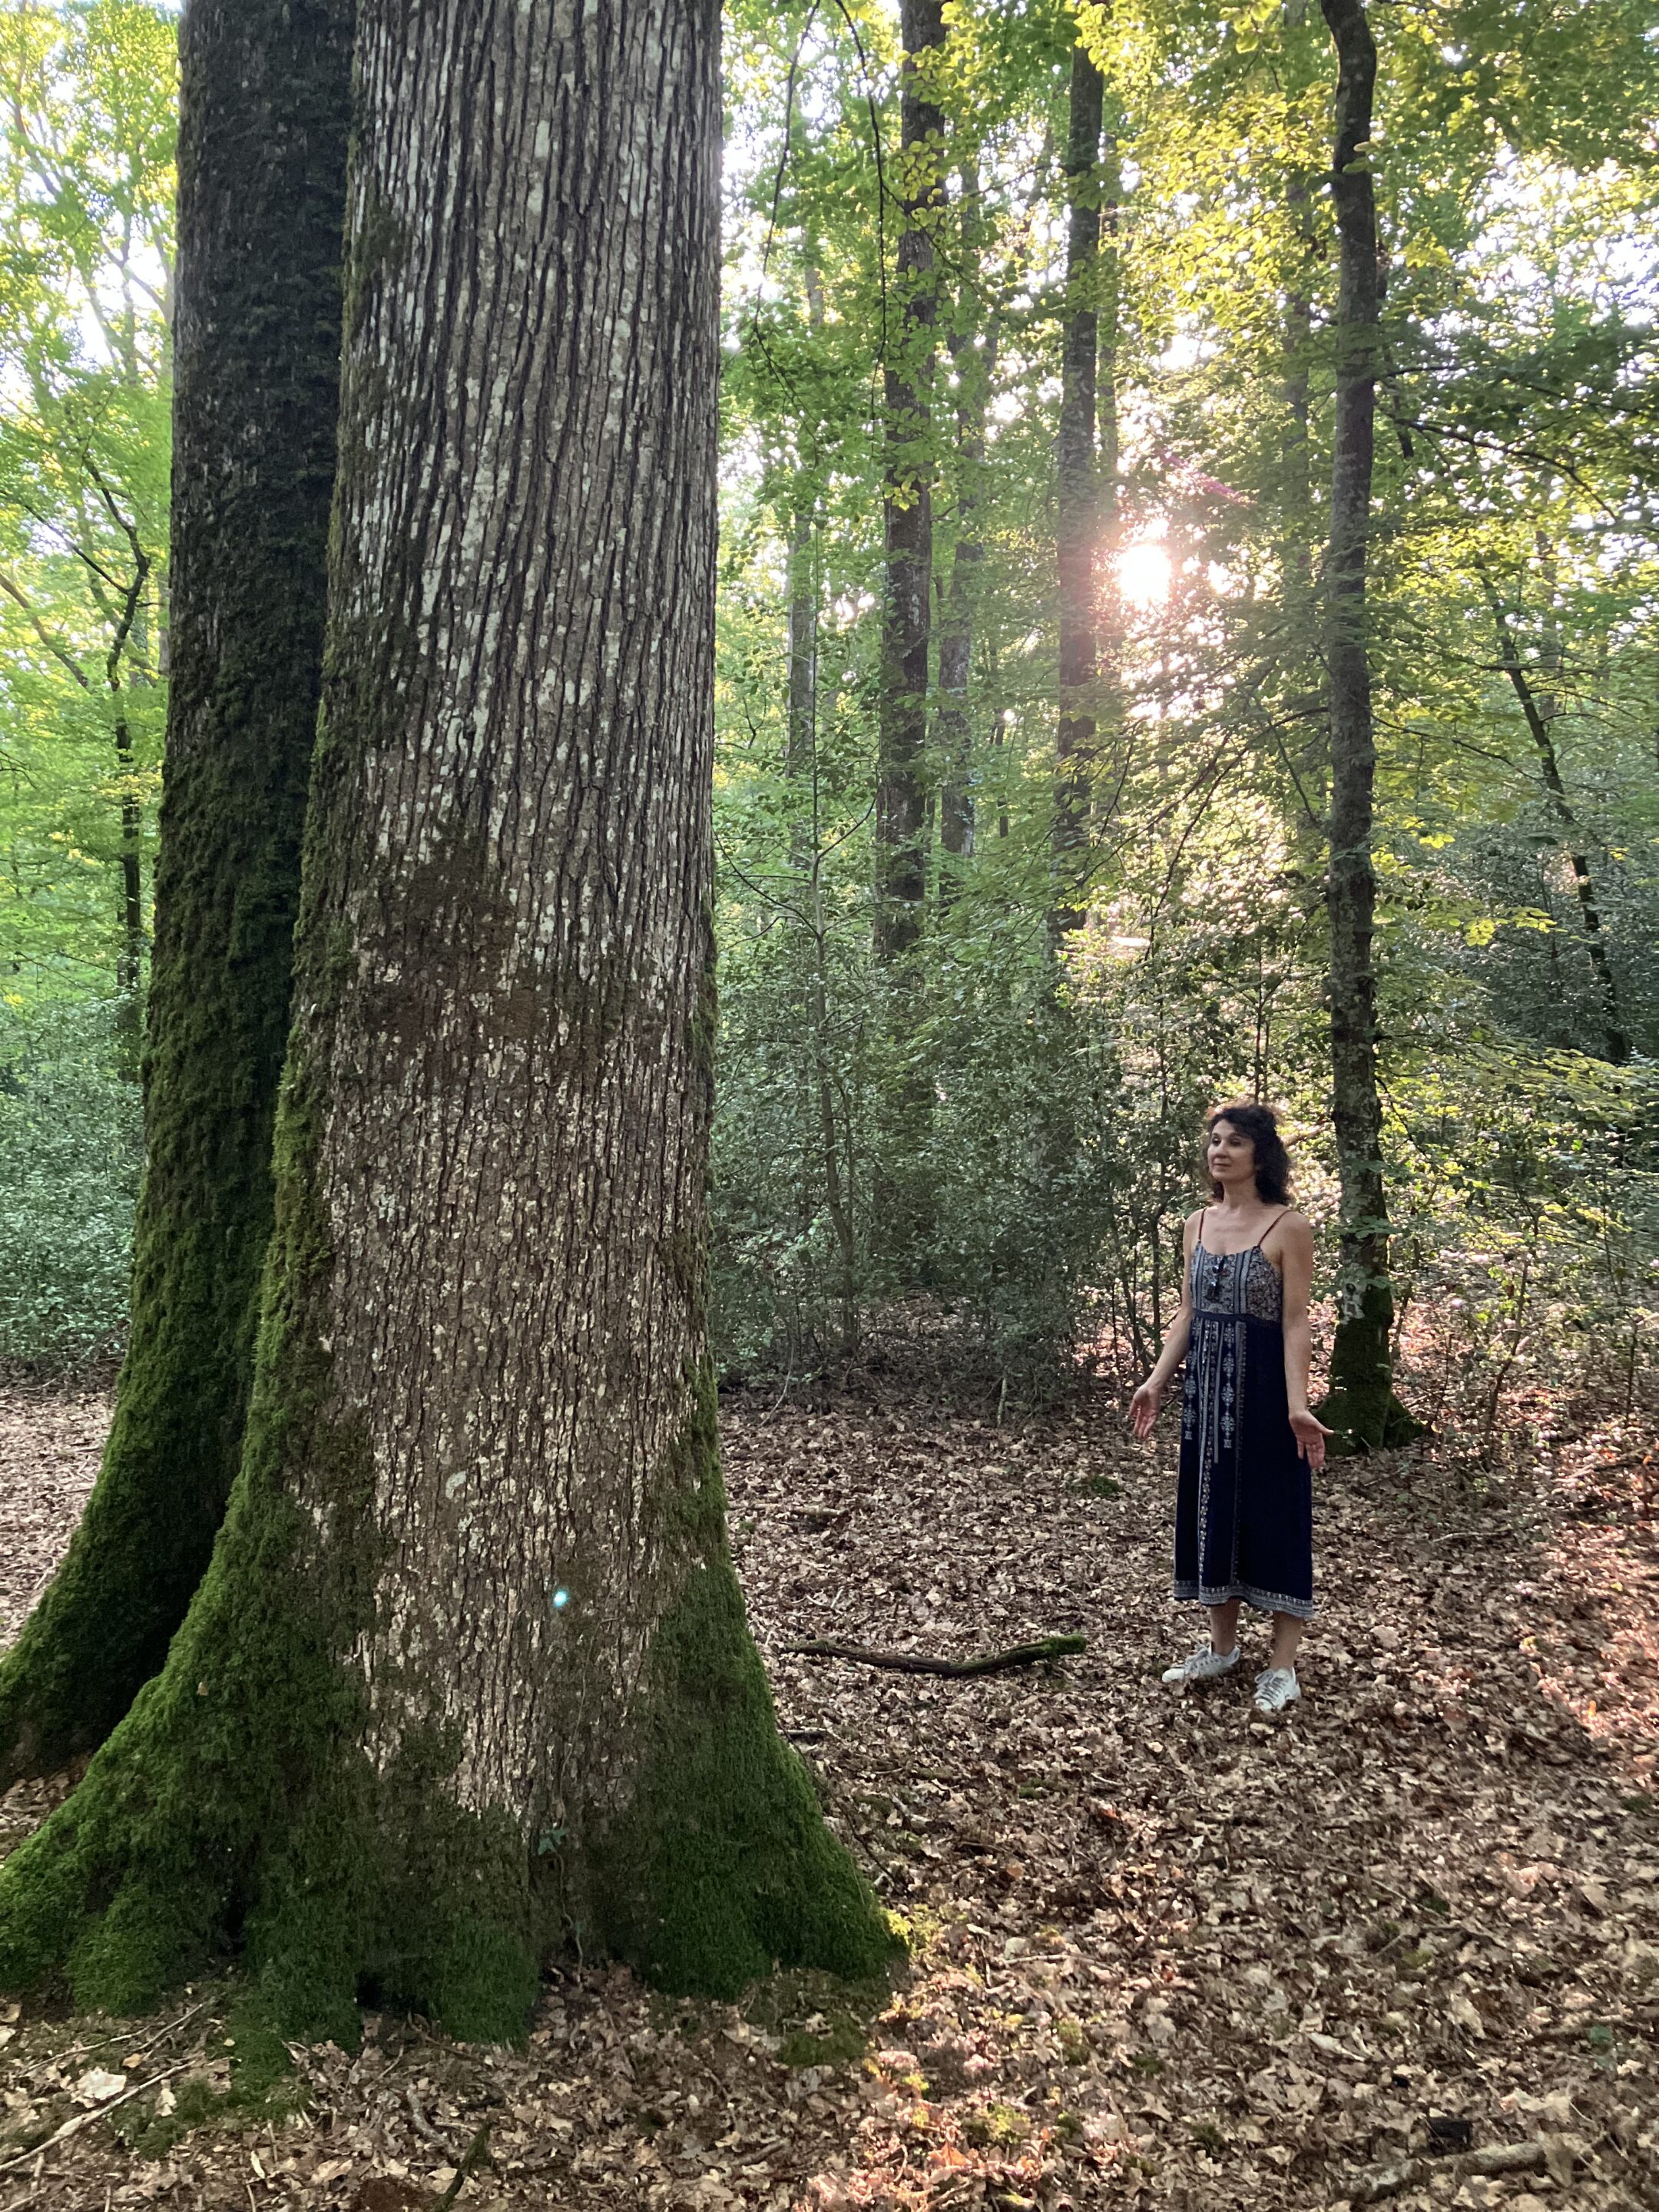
(1401,1947)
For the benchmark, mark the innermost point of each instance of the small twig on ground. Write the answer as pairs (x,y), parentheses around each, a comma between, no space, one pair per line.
(83,2119)
(423,2126)
(911,1663)
(138,2050)
(475,2151)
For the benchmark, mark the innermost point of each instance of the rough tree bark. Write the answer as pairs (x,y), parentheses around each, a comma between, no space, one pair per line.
(262,154)
(1078,517)
(1362,1406)
(900,783)
(471,1664)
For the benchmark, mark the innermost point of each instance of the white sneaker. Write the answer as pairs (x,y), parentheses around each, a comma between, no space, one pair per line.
(1276,1688)
(1200,1665)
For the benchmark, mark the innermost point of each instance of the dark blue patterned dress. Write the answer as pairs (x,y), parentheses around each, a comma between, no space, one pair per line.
(1245,1504)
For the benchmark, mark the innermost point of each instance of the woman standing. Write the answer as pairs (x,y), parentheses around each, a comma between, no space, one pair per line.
(1249,1447)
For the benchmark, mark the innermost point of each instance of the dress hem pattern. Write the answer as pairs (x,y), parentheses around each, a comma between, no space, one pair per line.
(1263,1600)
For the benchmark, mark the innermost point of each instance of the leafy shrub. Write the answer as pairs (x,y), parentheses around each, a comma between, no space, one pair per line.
(70,1155)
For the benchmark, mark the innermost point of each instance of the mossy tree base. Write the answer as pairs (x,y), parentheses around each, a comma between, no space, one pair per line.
(1361,1407)
(1375,1422)
(234,1814)
(722,1868)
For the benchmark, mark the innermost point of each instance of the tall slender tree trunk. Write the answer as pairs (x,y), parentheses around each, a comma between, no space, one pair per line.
(265,109)
(901,1210)
(471,1662)
(1301,599)
(975,366)
(800,743)
(1078,517)
(1537,710)
(900,785)
(1109,597)
(1303,676)
(1362,1405)
(806,860)
(130,963)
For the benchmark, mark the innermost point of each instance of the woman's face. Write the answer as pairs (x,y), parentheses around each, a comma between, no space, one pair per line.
(1230,1156)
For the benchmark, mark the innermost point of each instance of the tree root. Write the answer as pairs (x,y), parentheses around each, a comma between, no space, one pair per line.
(910,1662)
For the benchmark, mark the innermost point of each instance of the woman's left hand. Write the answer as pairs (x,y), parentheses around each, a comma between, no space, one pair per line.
(1310,1433)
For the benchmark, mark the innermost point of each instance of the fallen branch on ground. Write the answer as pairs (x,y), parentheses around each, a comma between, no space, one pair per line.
(1498,2158)
(911,1663)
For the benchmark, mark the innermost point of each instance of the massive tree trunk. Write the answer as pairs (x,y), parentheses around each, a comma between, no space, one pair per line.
(262,158)
(471,1664)
(901,786)
(1362,1406)
(1078,517)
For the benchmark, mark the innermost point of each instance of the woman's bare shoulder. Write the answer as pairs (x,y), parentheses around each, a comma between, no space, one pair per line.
(1191,1226)
(1294,1227)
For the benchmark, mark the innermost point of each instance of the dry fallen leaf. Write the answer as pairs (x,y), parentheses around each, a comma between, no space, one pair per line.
(95,2087)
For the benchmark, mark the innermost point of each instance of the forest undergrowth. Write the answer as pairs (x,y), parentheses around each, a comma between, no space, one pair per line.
(1402,1946)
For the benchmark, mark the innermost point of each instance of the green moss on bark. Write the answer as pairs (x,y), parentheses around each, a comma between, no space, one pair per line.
(264,117)
(234,1808)
(722,1868)
(1362,1407)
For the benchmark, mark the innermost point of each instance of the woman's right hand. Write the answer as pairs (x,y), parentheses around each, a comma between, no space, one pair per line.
(1143,1406)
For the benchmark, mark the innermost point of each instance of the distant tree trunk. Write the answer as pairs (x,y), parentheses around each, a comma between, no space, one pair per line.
(900,786)
(1303,675)
(974,365)
(1362,1405)
(801,713)
(264,108)
(470,1667)
(806,859)
(1111,738)
(1538,711)
(1300,597)
(130,961)
(1078,523)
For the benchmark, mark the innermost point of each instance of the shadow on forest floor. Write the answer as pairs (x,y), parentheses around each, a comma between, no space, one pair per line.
(1167,1955)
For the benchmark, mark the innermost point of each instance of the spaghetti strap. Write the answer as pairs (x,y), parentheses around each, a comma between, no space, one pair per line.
(1271,1227)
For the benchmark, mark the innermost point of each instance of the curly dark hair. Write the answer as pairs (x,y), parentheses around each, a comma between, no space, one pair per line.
(1273,1162)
